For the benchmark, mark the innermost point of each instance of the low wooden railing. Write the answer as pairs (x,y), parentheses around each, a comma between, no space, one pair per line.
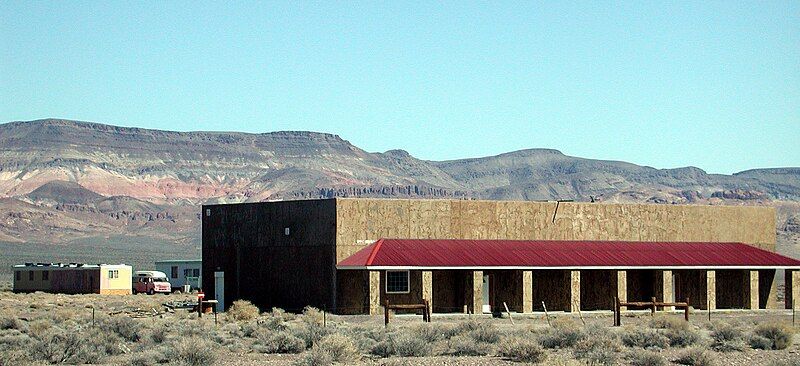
(647,304)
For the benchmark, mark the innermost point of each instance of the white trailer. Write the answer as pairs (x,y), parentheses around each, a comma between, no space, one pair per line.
(182,272)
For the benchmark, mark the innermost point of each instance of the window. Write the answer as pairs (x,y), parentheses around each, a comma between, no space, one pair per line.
(187,273)
(18,274)
(196,272)
(396,282)
(113,273)
(174,271)
(45,275)
(30,275)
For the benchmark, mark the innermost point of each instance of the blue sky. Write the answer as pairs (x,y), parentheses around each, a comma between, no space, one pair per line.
(709,84)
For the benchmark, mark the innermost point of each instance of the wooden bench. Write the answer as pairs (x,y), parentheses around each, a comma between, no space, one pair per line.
(425,307)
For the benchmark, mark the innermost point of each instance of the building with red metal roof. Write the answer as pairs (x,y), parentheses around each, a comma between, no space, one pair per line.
(353,256)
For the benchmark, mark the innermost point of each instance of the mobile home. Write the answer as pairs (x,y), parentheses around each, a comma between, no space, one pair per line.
(73,278)
(182,272)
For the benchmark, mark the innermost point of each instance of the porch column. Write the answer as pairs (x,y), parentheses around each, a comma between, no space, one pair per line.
(427,287)
(527,291)
(375,293)
(752,300)
(711,289)
(667,294)
(477,292)
(622,286)
(792,288)
(575,291)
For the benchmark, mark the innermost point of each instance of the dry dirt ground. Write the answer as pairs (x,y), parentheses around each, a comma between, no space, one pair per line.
(44,328)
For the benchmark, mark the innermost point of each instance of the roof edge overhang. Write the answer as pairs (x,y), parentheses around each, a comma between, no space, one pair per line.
(473,268)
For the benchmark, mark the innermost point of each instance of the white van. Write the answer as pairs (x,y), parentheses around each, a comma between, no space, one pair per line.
(150,282)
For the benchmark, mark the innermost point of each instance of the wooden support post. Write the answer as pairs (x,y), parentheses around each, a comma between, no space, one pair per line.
(686,310)
(653,308)
(547,316)
(508,312)
(386,314)
(575,291)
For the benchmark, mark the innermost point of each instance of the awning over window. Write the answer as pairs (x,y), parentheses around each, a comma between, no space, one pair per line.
(557,254)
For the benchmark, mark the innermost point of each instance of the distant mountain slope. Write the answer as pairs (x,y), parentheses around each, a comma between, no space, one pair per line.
(62,179)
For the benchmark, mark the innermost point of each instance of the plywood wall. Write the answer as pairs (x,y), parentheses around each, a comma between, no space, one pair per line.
(361,221)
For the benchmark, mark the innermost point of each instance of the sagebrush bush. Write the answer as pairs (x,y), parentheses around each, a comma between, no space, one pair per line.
(646,358)
(147,358)
(758,342)
(599,347)
(242,310)
(430,332)
(268,341)
(792,362)
(467,346)
(485,332)
(696,357)
(563,334)
(65,347)
(192,351)
(522,350)
(406,345)
(667,322)
(644,338)
(682,337)
(340,347)
(726,338)
(384,348)
(780,335)
(124,326)
(314,357)
(11,322)
(14,357)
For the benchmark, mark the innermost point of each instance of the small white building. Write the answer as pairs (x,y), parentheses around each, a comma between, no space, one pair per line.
(182,272)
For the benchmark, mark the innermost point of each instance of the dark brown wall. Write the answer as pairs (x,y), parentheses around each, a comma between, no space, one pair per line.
(352,288)
(598,289)
(691,284)
(641,285)
(264,265)
(553,287)
(414,295)
(449,292)
(732,289)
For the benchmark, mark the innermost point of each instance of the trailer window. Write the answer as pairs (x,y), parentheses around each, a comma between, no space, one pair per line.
(174,271)
(45,275)
(396,282)
(113,273)
(196,272)
(30,275)
(18,274)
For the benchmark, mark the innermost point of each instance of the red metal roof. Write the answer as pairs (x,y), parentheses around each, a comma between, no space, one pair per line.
(457,253)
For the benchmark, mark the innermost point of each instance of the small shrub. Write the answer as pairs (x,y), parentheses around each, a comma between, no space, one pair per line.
(467,346)
(522,350)
(681,337)
(562,334)
(758,342)
(65,347)
(314,357)
(193,351)
(792,362)
(147,358)
(340,347)
(646,358)
(644,338)
(779,334)
(159,334)
(485,333)
(242,310)
(666,322)
(727,338)
(309,332)
(278,342)
(599,347)
(696,357)
(11,322)
(14,357)
(124,326)
(407,345)
(383,349)
(430,332)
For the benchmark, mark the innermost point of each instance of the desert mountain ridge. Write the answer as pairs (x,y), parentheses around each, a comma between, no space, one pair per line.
(61,179)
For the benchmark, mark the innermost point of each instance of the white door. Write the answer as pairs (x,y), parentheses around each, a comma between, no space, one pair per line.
(219,290)
(487,307)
